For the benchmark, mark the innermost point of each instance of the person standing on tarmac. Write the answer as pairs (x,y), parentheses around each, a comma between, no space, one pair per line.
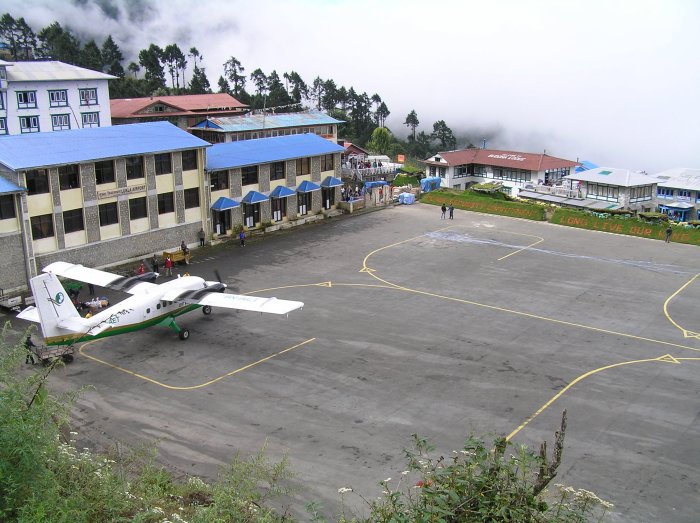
(29,345)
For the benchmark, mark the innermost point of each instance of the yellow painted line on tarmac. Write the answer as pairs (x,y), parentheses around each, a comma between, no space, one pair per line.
(666,358)
(524,248)
(327,284)
(192,387)
(686,333)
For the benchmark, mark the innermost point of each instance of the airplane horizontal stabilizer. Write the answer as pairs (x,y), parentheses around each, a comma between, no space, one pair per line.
(31,313)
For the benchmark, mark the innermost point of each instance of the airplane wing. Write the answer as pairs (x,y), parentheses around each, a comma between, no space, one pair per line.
(215,298)
(131,284)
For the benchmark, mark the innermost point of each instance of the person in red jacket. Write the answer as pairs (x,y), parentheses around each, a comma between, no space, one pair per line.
(168,266)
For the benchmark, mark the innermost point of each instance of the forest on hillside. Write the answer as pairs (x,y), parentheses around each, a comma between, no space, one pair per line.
(159,71)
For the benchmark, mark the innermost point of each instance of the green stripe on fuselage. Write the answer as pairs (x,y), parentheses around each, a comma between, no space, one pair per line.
(70,339)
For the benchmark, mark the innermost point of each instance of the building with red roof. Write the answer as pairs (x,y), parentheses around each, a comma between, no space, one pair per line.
(460,169)
(183,111)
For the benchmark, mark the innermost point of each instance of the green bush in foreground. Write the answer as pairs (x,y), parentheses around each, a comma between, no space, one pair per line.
(45,478)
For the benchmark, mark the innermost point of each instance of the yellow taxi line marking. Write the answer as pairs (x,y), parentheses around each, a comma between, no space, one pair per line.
(686,333)
(192,387)
(666,358)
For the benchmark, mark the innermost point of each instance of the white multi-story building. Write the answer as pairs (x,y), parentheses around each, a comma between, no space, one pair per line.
(51,96)
(678,193)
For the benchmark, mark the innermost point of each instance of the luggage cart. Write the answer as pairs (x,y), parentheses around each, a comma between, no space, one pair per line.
(46,355)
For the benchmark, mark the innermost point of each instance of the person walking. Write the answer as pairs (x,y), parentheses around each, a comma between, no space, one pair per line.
(444,210)
(168,266)
(669,233)
(29,345)
(91,288)
(241,236)
(154,263)
(202,237)
(452,212)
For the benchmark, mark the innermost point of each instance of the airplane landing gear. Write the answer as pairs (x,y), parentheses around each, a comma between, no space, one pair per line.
(184,334)
(206,310)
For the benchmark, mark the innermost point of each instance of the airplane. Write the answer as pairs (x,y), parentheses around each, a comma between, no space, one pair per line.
(149,303)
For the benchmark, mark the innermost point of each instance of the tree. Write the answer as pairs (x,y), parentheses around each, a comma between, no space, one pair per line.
(91,57)
(330,95)
(199,83)
(381,141)
(382,113)
(234,72)
(260,81)
(18,36)
(316,92)
(224,86)
(150,60)
(376,99)
(444,135)
(134,68)
(59,44)
(412,122)
(278,96)
(174,60)
(300,90)
(195,54)
(112,58)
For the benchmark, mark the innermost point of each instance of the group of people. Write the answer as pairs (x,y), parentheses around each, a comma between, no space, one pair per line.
(445,209)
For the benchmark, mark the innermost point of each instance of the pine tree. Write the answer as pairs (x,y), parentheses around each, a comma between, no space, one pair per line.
(112,58)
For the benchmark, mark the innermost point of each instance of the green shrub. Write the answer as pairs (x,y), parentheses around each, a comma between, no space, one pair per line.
(493,203)
(403,179)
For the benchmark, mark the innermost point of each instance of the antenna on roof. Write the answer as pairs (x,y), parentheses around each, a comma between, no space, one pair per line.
(483,141)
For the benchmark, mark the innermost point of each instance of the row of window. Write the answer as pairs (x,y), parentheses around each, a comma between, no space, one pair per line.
(57,98)
(59,122)
(250,175)
(681,194)
(640,194)
(73,220)
(516,175)
(37,180)
(598,191)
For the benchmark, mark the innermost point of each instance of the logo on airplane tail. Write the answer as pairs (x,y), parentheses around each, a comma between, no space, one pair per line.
(59,298)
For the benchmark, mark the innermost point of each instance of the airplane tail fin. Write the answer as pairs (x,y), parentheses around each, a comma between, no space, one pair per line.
(53,305)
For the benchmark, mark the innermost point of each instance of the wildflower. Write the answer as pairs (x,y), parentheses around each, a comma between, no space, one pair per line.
(387,480)
(344,490)
(405,472)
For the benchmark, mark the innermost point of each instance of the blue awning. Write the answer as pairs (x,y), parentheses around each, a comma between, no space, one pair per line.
(307,186)
(254,197)
(331,182)
(224,204)
(281,192)
(369,185)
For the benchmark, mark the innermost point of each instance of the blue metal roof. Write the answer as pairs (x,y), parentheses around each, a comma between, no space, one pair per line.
(7,187)
(31,151)
(281,192)
(224,204)
(258,122)
(586,166)
(307,186)
(331,181)
(254,197)
(267,150)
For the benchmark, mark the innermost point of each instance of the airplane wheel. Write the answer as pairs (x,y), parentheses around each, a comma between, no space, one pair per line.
(206,310)
(184,334)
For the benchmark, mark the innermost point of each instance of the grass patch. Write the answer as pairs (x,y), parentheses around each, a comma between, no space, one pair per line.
(494,203)
(403,179)
(630,226)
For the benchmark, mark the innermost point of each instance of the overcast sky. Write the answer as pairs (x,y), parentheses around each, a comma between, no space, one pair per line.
(616,82)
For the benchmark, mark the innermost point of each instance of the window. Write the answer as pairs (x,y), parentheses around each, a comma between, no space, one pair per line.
(42,226)
(134,167)
(327,163)
(191,198)
(277,171)
(166,203)
(7,207)
(138,208)
(639,194)
(58,98)
(104,172)
(602,192)
(73,221)
(664,192)
(68,177)
(433,170)
(683,194)
(3,124)
(109,214)
(26,100)
(303,166)
(249,175)
(164,164)
(37,181)
(442,172)
(29,124)
(90,119)
(219,180)
(2,98)
(88,96)
(60,122)
(189,160)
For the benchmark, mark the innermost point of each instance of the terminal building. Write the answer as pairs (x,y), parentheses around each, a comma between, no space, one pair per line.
(678,193)
(51,96)
(253,126)
(97,196)
(515,170)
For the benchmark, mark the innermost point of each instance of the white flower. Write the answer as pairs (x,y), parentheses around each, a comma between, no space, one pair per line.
(387,480)
(344,490)
(405,472)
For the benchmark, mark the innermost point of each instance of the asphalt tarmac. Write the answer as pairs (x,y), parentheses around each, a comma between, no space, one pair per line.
(482,324)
